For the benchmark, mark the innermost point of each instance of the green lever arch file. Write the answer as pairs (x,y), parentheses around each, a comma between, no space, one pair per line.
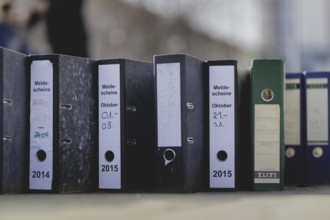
(267,84)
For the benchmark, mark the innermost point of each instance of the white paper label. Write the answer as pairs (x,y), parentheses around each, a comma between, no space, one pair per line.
(292,112)
(41,126)
(169,105)
(222,126)
(109,126)
(317,111)
(267,143)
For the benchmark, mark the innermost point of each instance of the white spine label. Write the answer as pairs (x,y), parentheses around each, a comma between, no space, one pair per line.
(292,112)
(41,126)
(169,105)
(267,143)
(317,111)
(222,126)
(109,126)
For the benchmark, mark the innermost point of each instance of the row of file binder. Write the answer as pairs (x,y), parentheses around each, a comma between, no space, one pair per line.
(307,128)
(179,124)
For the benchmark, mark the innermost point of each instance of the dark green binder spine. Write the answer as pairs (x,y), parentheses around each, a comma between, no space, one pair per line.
(267,120)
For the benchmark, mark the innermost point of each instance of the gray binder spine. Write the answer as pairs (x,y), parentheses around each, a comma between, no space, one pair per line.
(71,126)
(13,79)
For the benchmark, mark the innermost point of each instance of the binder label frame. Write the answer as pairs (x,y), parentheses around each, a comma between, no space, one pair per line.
(267,143)
(317,111)
(169,105)
(222,126)
(41,125)
(109,126)
(292,112)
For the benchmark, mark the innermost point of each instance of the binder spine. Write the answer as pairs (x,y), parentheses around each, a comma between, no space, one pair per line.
(140,130)
(194,121)
(180,122)
(41,125)
(268,124)
(1,119)
(110,129)
(318,133)
(77,119)
(222,124)
(244,152)
(14,81)
(295,129)
(126,88)
(169,124)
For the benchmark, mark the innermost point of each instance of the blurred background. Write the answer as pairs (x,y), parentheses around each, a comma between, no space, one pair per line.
(295,30)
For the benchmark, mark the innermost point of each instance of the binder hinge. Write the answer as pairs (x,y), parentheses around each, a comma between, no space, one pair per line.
(7,102)
(130,108)
(190,105)
(66,106)
(190,140)
(131,141)
(6,138)
(66,141)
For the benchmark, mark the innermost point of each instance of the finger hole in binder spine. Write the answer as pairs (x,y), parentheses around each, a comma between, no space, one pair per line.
(169,155)
(66,106)
(109,156)
(222,155)
(41,155)
(318,152)
(290,152)
(7,101)
(267,95)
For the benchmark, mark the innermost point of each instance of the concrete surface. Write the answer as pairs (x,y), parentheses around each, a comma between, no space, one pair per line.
(292,203)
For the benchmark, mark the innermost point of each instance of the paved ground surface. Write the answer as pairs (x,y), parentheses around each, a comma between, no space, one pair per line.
(292,203)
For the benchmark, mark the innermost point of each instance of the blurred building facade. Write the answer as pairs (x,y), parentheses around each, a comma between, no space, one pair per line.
(299,32)
(295,30)
(131,31)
